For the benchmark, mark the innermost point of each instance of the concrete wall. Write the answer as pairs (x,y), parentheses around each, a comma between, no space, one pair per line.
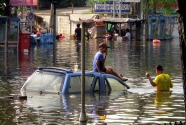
(62,24)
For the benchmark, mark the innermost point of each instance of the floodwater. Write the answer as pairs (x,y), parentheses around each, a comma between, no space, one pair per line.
(139,105)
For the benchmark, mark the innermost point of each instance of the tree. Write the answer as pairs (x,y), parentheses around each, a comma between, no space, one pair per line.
(182,32)
(4,7)
(164,3)
(92,5)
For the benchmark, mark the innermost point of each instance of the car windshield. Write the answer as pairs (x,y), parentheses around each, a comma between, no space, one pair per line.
(116,85)
(46,82)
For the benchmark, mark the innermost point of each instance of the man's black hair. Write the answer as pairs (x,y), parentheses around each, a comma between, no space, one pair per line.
(127,30)
(78,25)
(159,67)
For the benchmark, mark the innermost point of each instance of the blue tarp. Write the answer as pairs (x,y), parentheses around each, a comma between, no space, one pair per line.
(43,38)
(46,38)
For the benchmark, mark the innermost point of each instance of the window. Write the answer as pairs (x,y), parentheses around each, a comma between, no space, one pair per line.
(44,81)
(97,85)
(34,82)
(107,85)
(115,84)
(2,32)
(52,83)
(75,83)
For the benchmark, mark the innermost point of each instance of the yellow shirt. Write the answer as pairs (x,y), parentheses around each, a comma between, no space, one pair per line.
(163,82)
(163,96)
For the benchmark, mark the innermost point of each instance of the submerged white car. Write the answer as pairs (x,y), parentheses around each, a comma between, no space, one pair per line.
(65,81)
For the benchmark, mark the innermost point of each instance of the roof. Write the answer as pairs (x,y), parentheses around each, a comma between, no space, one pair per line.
(122,20)
(78,17)
(55,69)
(4,18)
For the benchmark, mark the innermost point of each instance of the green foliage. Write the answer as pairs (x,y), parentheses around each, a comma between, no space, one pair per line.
(165,4)
(91,1)
(44,4)
(77,3)
(101,1)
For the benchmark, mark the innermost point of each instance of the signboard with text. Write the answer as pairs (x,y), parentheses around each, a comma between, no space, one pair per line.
(31,16)
(23,2)
(162,17)
(136,1)
(108,7)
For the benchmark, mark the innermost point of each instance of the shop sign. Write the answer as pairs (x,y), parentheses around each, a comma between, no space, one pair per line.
(107,7)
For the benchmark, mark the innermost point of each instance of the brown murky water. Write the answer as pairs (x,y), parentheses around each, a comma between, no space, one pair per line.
(139,105)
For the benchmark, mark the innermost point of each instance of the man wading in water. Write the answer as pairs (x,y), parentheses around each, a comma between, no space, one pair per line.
(162,81)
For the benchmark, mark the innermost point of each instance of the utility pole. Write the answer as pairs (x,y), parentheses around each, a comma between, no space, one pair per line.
(83,117)
(120,9)
(120,17)
(113,8)
(147,20)
(51,14)
(31,21)
(72,7)
(54,26)
(54,2)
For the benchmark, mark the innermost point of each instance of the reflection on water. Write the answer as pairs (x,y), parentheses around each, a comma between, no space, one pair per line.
(140,105)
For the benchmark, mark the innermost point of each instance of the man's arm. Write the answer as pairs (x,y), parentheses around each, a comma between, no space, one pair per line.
(98,67)
(150,79)
(105,56)
(171,85)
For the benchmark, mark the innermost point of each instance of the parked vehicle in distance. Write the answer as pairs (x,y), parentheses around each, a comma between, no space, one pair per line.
(65,81)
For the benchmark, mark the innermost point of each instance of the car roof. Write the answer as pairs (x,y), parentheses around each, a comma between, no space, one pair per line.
(63,70)
(55,69)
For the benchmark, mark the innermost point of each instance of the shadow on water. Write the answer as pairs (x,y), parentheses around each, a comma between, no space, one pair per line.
(139,105)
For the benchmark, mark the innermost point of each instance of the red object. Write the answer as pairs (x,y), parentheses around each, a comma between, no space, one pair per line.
(62,37)
(24,41)
(171,6)
(156,41)
(23,2)
(159,6)
(174,6)
(38,32)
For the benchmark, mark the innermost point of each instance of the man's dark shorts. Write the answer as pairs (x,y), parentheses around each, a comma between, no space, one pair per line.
(104,70)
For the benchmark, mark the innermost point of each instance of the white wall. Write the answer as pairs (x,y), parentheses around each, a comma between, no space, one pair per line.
(175,31)
(62,24)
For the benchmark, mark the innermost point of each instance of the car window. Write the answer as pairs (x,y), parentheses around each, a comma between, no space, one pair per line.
(45,81)
(75,83)
(116,84)
(107,85)
(52,83)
